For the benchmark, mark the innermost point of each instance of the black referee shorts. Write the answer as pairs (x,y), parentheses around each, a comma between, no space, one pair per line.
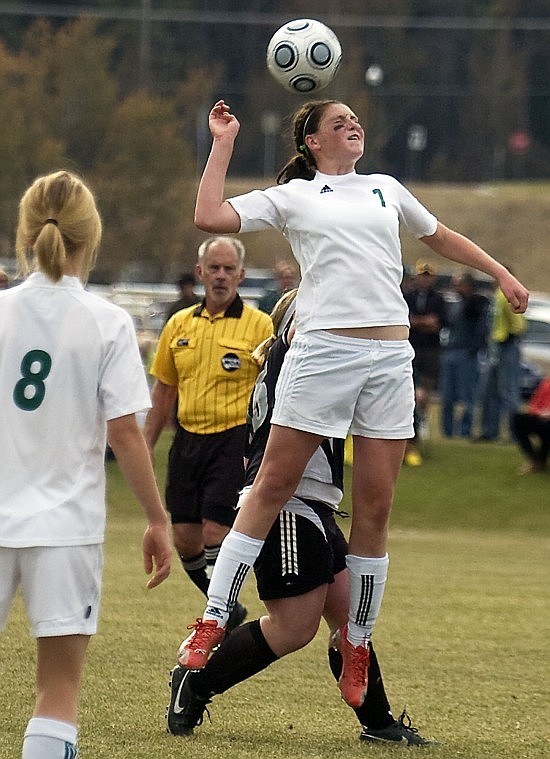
(296,557)
(205,474)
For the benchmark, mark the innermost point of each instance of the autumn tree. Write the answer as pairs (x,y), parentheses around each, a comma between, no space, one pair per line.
(27,146)
(61,109)
(145,179)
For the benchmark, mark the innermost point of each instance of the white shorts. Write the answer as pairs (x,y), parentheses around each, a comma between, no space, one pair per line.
(61,587)
(331,385)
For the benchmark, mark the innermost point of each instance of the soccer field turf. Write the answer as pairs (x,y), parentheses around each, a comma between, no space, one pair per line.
(462,637)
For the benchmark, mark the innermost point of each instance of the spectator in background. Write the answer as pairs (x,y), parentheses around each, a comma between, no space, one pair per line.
(204,362)
(427,314)
(286,279)
(4,280)
(186,284)
(501,389)
(531,429)
(465,336)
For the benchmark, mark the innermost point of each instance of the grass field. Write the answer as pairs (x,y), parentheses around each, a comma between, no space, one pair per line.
(462,639)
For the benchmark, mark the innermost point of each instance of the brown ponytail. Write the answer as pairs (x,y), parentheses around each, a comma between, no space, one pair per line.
(305,121)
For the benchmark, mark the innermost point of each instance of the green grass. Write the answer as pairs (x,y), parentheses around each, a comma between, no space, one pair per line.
(462,638)
(472,486)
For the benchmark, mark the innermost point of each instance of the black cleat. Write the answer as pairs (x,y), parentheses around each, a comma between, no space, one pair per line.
(185,710)
(237,616)
(400,732)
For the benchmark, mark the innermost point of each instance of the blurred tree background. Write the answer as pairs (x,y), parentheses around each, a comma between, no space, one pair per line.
(119,91)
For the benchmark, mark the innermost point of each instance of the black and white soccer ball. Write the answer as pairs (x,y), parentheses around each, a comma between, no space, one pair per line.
(304,55)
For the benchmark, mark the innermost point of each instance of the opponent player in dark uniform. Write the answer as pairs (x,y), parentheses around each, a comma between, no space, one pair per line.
(301,576)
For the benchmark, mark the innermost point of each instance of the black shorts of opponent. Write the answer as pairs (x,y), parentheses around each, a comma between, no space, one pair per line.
(297,557)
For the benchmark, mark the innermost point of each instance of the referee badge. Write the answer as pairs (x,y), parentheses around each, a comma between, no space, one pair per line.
(231,362)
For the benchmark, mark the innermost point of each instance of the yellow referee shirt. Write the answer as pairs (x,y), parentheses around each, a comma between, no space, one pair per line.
(209,359)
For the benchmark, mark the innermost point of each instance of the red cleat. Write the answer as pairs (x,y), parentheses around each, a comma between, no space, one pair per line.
(353,680)
(195,649)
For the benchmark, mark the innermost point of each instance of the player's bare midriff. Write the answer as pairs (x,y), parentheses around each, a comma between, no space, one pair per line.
(388,332)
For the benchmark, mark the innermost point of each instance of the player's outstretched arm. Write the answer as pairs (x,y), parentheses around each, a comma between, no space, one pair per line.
(130,449)
(454,246)
(212,212)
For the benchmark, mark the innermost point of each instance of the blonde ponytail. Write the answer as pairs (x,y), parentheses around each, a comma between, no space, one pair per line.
(58,220)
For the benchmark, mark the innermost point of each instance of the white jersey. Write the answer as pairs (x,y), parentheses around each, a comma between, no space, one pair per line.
(69,362)
(344,233)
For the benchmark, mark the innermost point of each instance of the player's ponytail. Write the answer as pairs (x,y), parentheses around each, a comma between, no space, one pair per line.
(305,121)
(58,220)
(49,250)
(281,314)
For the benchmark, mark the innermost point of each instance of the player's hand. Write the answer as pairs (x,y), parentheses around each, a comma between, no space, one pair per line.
(516,294)
(221,122)
(157,554)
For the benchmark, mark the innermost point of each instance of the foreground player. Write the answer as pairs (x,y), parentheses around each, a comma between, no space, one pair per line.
(349,367)
(301,576)
(70,371)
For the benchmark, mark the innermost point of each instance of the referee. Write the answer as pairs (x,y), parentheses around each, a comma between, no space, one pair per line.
(203,361)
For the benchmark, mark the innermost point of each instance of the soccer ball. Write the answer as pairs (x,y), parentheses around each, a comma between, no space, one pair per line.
(304,55)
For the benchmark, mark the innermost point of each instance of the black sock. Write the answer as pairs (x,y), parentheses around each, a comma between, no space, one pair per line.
(375,711)
(243,653)
(195,568)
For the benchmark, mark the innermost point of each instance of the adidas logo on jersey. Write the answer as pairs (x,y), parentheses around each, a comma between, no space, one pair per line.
(326,188)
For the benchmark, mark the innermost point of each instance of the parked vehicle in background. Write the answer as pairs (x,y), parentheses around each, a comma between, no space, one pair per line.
(535,343)
(145,302)
(537,299)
